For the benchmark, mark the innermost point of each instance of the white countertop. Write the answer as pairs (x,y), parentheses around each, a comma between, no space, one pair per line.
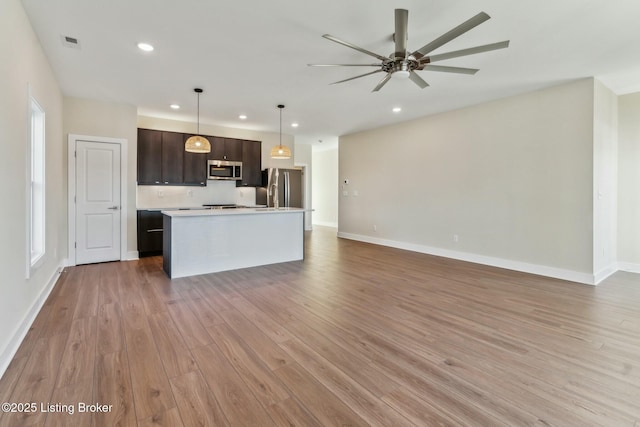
(190,208)
(170,209)
(226,212)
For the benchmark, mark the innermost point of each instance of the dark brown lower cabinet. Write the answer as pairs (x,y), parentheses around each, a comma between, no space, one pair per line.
(150,230)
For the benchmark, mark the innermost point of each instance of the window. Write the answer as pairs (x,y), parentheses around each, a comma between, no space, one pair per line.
(36,231)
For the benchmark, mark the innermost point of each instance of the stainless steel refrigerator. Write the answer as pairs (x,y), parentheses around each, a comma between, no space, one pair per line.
(283,186)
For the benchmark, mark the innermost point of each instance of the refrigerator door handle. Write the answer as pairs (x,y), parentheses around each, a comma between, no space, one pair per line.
(287,194)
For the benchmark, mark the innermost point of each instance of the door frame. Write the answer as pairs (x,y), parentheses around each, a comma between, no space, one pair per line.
(306,195)
(71,191)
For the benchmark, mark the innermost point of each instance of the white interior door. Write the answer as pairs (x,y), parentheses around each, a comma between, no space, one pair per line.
(98,202)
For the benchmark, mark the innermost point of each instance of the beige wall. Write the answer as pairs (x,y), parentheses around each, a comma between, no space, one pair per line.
(96,118)
(512,179)
(629,182)
(325,187)
(24,68)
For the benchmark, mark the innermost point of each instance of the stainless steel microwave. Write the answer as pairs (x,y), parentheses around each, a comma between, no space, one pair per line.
(223,169)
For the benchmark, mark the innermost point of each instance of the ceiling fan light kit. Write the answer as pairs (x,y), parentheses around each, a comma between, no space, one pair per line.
(401,64)
(401,74)
(280,152)
(197,143)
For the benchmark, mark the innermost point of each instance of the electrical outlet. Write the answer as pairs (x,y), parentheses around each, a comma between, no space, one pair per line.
(355,193)
(455,238)
(345,193)
(160,193)
(375,227)
(190,193)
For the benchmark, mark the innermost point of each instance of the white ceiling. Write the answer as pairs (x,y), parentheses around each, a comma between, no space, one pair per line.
(250,55)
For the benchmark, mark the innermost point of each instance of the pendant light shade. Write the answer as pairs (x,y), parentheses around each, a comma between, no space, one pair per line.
(280,151)
(197,143)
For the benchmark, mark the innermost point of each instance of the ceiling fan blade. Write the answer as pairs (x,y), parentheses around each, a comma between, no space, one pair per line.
(352,46)
(400,36)
(344,65)
(357,77)
(418,80)
(441,68)
(465,52)
(452,34)
(382,82)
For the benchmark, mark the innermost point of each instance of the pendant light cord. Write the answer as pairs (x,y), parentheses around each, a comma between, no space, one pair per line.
(198,122)
(280,107)
(280,127)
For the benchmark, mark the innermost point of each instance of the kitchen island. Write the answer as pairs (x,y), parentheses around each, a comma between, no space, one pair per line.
(212,240)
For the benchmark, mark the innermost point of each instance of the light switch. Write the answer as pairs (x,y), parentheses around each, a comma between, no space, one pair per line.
(345,193)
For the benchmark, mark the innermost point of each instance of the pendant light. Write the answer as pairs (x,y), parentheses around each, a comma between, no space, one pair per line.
(197,143)
(280,151)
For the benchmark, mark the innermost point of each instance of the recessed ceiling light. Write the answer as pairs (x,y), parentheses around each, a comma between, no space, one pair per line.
(145,46)
(396,109)
(174,106)
(294,125)
(242,117)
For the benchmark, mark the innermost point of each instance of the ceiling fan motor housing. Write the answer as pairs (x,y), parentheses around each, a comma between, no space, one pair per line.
(401,66)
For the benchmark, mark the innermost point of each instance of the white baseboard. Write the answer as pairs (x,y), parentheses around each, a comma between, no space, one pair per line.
(629,267)
(132,255)
(605,272)
(542,270)
(326,224)
(23,328)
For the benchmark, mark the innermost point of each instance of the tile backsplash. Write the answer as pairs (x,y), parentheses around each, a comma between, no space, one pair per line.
(215,192)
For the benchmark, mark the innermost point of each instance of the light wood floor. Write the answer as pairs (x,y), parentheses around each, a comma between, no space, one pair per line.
(354,335)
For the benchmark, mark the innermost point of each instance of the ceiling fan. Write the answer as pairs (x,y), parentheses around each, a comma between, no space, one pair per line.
(402,63)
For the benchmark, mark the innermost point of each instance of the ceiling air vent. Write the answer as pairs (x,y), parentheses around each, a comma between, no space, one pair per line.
(71,42)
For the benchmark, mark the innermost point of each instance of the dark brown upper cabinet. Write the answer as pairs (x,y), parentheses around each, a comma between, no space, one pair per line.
(195,166)
(251,164)
(163,161)
(172,158)
(161,158)
(149,157)
(225,149)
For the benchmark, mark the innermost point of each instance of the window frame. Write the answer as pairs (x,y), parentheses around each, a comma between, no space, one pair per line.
(36,186)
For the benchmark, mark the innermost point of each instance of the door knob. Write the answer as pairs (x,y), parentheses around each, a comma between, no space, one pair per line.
(114,208)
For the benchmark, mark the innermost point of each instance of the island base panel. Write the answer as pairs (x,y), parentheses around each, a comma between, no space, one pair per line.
(209,244)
